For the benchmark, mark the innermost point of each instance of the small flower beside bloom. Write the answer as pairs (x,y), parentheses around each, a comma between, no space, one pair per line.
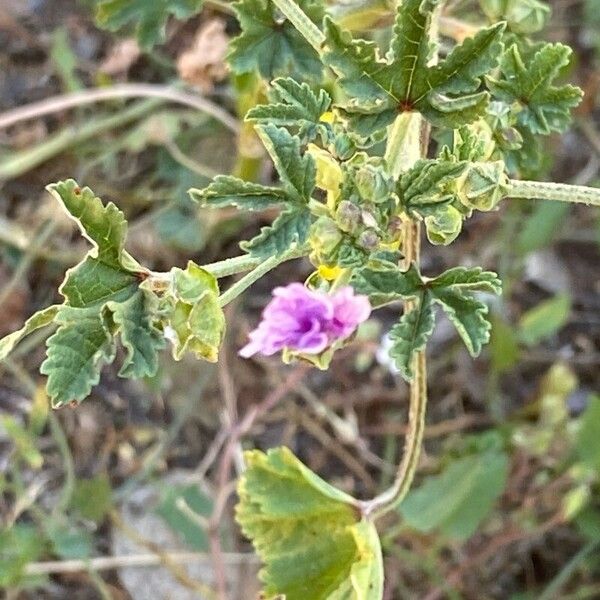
(306,321)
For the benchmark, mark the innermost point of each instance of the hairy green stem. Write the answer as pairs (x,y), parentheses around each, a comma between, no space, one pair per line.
(560,192)
(402,151)
(298,18)
(259,271)
(232,266)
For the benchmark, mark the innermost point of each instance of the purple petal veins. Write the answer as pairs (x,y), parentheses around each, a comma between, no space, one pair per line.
(307,321)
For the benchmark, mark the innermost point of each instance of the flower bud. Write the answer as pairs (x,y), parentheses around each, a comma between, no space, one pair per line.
(482,185)
(324,236)
(369,240)
(329,173)
(347,216)
(523,16)
(372,184)
(343,147)
(444,225)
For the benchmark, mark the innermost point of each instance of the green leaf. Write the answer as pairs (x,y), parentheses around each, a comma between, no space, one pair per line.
(545,319)
(410,335)
(504,346)
(231,191)
(446,94)
(410,49)
(467,314)
(464,67)
(189,530)
(543,107)
(474,279)
(290,228)
(588,440)
(298,173)
(429,182)
(388,284)
(40,319)
(24,441)
(19,545)
(149,17)
(195,319)
(139,337)
(458,499)
(270,44)
(542,226)
(103,226)
(103,299)
(293,104)
(69,541)
(306,532)
(78,350)
(92,498)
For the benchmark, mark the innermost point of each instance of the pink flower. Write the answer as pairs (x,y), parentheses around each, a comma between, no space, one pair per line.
(306,321)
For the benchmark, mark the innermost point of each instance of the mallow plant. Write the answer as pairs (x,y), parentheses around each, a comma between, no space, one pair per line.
(374,146)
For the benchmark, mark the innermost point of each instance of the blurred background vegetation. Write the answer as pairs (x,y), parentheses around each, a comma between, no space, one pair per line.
(130,496)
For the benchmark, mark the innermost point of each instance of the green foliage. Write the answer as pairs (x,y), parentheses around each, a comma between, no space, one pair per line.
(289,229)
(527,82)
(231,191)
(447,94)
(23,440)
(410,334)
(588,440)
(459,498)
(40,319)
(103,298)
(293,104)
(169,508)
(270,44)
(298,174)
(544,320)
(149,18)
(108,297)
(67,540)
(453,290)
(92,498)
(195,318)
(306,532)
(19,545)
(522,16)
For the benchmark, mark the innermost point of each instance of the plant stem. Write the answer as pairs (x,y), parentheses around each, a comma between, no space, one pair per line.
(560,192)
(403,150)
(118,92)
(22,162)
(261,269)
(298,18)
(232,266)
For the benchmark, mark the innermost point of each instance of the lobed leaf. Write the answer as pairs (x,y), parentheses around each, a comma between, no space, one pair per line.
(76,353)
(474,279)
(149,17)
(307,532)
(298,173)
(290,228)
(543,107)
(292,104)
(447,94)
(411,333)
(272,45)
(140,338)
(40,319)
(231,191)
(468,315)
